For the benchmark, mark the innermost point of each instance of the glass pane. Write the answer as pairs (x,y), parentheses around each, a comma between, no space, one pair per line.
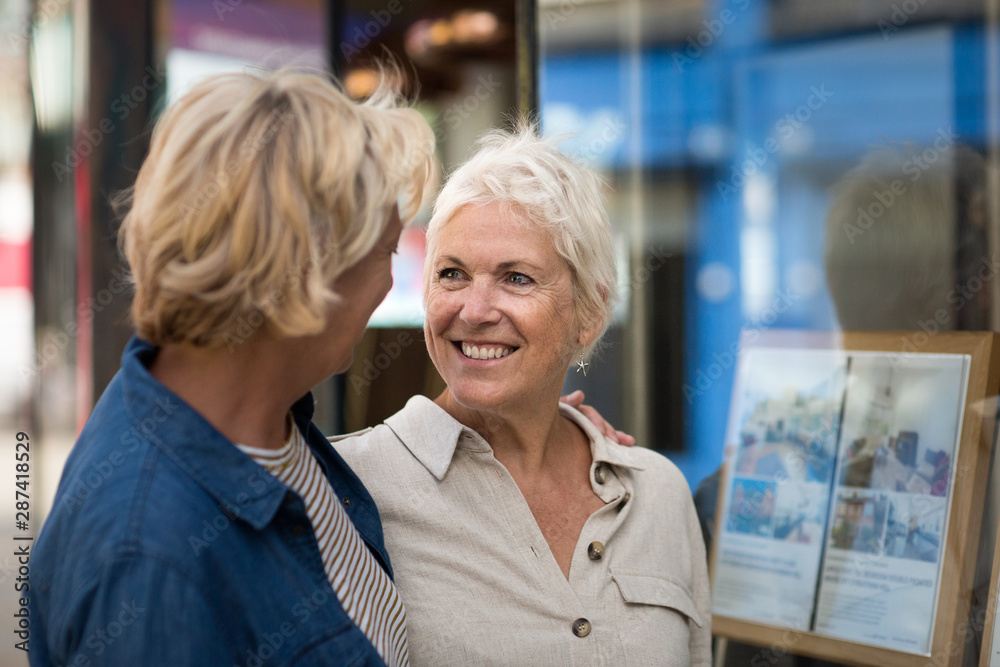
(771,166)
(775,164)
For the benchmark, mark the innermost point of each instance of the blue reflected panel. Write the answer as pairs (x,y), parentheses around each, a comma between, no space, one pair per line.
(682,105)
(585,95)
(802,115)
(839,98)
(684,115)
(712,330)
(800,218)
(970,78)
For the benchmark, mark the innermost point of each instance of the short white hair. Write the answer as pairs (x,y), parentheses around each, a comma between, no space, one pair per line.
(530,177)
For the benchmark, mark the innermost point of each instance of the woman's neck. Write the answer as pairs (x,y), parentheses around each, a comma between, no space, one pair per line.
(245,393)
(530,440)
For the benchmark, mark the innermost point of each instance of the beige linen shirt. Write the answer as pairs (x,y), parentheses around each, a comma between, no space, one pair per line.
(478,580)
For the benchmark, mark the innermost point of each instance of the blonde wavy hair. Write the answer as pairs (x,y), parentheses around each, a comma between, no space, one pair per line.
(258,192)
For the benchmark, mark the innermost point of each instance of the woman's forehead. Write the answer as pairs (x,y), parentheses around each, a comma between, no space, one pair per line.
(495,221)
(495,241)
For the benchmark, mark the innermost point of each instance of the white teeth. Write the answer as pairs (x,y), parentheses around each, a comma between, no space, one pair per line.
(484,352)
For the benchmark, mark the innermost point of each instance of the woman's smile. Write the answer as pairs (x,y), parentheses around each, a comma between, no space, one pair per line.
(484,351)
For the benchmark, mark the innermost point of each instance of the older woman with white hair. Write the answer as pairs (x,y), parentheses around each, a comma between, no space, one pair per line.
(519,533)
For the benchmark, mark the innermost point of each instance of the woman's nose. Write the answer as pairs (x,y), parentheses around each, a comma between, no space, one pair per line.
(480,305)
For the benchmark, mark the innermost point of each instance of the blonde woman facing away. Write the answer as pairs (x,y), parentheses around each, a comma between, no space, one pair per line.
(228,532)
(519,533)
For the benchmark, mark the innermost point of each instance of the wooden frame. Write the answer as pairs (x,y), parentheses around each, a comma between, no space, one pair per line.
(960,545)
(991,639)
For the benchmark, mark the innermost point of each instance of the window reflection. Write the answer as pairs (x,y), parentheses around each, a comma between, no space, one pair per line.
(752,114)
(803,165)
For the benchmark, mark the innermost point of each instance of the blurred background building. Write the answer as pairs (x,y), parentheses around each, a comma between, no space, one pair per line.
(723,128)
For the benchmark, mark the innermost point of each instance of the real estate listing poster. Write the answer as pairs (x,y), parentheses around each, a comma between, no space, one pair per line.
(781,448)
(840,467)
(895,471)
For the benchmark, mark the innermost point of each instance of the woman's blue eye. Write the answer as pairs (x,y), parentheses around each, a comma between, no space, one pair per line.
(449,274)
(518,279)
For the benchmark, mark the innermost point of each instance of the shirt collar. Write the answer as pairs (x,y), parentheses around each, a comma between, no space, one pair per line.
(602,449)
(422,416)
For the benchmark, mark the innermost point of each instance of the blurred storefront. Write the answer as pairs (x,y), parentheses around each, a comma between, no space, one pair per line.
(722,130)
(731,134)
(16,306)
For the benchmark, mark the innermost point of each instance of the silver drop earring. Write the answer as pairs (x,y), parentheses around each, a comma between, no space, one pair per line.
(582,365)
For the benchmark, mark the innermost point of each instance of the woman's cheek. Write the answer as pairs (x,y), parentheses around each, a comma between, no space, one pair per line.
(443,305)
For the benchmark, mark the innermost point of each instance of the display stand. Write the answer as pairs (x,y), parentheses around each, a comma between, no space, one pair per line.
(852,496)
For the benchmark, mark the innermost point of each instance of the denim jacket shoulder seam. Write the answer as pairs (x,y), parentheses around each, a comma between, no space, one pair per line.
(133,524)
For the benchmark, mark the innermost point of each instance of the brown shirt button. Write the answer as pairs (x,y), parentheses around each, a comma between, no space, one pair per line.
(624,501)
(600,474)
(347,501)
(595,550)
(581,627)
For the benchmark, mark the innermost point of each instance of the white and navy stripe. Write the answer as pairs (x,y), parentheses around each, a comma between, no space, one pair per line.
(364,589)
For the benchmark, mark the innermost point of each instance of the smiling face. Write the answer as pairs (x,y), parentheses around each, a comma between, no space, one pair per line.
(501,326)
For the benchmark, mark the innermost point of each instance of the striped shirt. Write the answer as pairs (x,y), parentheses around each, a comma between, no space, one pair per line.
(364,589)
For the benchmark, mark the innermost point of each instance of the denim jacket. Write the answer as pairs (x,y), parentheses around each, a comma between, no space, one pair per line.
(166,545)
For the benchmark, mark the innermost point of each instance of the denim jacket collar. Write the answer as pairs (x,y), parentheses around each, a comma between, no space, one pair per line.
(239,485)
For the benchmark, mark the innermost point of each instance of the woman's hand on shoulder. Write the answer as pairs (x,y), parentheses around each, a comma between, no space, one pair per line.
(575,400)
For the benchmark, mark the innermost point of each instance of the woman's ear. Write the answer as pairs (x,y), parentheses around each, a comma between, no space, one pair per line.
(589,331)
